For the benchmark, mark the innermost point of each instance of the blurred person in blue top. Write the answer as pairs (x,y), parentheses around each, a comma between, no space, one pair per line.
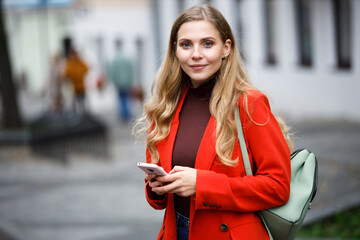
(120,72)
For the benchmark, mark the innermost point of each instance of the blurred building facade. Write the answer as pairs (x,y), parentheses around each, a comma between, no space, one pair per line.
(35,30)
(304,54)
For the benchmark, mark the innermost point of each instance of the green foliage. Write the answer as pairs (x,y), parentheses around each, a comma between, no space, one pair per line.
(341,225)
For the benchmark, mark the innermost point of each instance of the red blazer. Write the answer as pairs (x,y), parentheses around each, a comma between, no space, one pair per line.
(226,200)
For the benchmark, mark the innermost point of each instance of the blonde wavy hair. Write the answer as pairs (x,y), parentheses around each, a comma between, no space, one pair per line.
(171,82)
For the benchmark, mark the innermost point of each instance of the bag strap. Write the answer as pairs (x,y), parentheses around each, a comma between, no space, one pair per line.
(245,157)
(242,142)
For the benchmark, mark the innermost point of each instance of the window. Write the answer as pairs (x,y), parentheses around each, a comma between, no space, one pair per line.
(269,15)
(304,32)
(342,18)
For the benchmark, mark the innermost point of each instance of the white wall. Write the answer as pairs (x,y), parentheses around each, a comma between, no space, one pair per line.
(299,93)
(319,92)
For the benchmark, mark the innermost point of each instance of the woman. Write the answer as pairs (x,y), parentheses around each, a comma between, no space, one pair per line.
(191,133)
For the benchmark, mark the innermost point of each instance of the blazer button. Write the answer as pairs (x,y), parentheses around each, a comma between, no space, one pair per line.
(212,205)
(205,204)
(224,227)
(218,207)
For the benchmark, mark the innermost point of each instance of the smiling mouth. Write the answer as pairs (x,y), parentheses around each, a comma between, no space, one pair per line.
(197,67)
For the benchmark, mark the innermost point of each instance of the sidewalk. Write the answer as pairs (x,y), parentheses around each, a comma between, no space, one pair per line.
(102,198)
(88,198)
(337,147)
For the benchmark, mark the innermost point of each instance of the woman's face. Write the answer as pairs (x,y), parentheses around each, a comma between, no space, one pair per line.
(200,50)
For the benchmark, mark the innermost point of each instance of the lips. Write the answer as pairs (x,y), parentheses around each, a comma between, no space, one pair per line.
(198,67)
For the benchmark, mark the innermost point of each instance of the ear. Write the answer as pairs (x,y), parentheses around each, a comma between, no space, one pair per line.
(227,47)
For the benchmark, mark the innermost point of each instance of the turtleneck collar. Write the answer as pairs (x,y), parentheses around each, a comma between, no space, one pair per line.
(203,92)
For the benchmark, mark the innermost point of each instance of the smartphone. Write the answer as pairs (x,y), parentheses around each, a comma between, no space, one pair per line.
(152,168)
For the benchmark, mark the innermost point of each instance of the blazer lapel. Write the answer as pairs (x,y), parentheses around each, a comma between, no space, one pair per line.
(166,146)
(207,153)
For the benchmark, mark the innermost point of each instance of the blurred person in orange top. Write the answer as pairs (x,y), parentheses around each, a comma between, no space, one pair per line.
(75,71)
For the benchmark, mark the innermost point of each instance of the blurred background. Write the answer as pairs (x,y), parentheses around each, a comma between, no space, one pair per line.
(74,75)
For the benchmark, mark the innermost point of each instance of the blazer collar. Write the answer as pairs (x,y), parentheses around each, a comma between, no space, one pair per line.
(206,152)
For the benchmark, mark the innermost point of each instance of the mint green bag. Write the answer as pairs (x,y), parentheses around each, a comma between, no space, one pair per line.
(283,222)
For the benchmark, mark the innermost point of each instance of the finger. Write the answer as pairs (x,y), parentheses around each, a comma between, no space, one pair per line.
(177,169)
(158,192)
(154,184)
(166,179)
(167,187)
(181,192)
(159,189)
(150,177)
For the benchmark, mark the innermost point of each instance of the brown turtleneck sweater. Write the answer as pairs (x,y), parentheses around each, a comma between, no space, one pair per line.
(193,119)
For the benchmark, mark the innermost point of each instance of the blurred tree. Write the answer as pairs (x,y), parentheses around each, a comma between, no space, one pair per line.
(10,110)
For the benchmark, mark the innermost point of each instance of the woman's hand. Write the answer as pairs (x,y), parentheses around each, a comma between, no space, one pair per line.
(181,180)
(153,182)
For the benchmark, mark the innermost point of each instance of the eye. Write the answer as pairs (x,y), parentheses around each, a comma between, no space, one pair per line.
(185,45)
(208,44)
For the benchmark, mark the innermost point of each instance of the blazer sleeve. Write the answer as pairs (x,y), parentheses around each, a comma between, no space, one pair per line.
(155,201)
(270,158)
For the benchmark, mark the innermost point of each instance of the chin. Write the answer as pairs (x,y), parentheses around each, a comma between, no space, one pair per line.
(198,78)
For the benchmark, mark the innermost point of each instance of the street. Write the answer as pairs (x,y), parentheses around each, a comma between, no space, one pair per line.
(94,197)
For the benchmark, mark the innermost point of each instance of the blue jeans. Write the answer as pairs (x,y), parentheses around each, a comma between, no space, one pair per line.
(124,105)
(182,227)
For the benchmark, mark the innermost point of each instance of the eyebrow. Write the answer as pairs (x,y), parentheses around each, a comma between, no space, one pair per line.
(202,39)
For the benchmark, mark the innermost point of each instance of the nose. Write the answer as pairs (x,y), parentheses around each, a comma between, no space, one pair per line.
(197,54)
